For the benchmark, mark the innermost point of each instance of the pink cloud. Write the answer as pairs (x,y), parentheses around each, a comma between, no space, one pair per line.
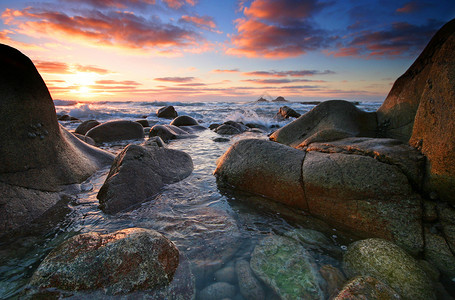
(121,4)
(175,79)
(179,3)
(204,22)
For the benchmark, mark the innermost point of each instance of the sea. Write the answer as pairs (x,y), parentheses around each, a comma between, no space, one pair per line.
(212,226)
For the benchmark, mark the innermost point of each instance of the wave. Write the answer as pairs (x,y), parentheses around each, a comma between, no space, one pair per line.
(65,102)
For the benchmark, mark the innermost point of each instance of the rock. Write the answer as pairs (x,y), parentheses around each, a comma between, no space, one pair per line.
(154,141)
(138,173)
(218,290)
(167,112)
(391,265)
(257,166)
(184,121)
(420,109)
(118,263)
(286,267)
(227,130)
(280,99)
(144,123)
(262,100)
(286,112)
(335,279)
(37,155)
(221,140)
(447,216)
(68,118)
(86,126)
(85,139)
(168,132)
(438,252)
(328,121)
(249,286)
(214,126)
(116,131)
(226,274)
(367,287)
(314,240)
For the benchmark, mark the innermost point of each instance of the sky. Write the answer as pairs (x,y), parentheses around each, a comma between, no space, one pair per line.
(221,50)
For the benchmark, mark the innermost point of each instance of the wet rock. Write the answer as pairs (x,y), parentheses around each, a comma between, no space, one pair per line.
(217,290)
(391,265)
(313,239)
(155,141)
(367,287)
(184,121)
(226,274)
(168,132)
(144,123)
(118,263)
(213,126)
(286,267)
(68,118)
(329,121)
(438,252)
(138,173)
(86,126)
(335,279)
(221,140)
(249,286)
(227,130)
(85,139)
(116,131)
(167,112)
(37,155)
(287,112)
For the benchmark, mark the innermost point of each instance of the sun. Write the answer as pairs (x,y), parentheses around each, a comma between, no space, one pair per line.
(81,82)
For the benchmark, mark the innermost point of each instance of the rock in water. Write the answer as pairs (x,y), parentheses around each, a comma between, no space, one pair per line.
(184,121)
(167,112)
(218,290)
(286,112)
(249,286)
(116,131)
(86,126)
(367,287)
(118,263)
(390,264)
(138,173)
(37,156)
(285,266)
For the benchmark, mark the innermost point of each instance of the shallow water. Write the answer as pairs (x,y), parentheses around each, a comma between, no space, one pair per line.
(213,227)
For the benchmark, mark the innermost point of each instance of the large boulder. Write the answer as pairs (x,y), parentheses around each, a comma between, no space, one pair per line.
(287,268)
(167,112)
(420,109)
(328,121)
(116,131)
(391,265)
(37,155)
(122,262)
(138,173)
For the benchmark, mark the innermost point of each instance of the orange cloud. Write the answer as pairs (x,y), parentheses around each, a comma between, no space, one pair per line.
(92,69)
(124,82)
(179,3)
(279,81)
(204,22)
(298,73)
(121,4)
(175,79)
(226,71)
(55,67)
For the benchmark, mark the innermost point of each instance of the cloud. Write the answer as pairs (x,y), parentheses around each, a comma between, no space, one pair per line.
(277,29)
(226,71)
(175,79)
(204,22)
(124,82)
(55,67)
(176,4)
(120,4)
(299,73)
(92,69)
(279,81)
(121,29)
(411,7)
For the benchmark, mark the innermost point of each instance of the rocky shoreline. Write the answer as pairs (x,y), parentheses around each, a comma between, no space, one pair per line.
(387,176)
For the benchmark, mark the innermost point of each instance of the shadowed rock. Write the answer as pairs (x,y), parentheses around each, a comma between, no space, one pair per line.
(37,155)
(86,126)
(167,112)
(286,112)
(116,131)
(184,121)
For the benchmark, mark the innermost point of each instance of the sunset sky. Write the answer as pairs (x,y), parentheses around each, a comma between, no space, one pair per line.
(221,50)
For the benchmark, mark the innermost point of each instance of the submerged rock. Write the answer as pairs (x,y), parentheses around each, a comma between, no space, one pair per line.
(116,131)
(121,262)
(37,155)
(390,264)
(138,173)
(86,126)
(249,286)
(367,287)
(226,274)
(167,112)
(285,266)
(218,290)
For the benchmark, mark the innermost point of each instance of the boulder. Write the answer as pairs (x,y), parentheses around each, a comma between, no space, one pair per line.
(68,118)
(218,290)
(420,109)
(168,132)
(390,264)
(37,155)
(86,126)
(287,268)
(249,286)
(335,279)
(230,128)
(286,112)
(367,287)
(328,121)
(314,240)
(116,131)
(122,262)
(138,173)
(143,122)
(167,112)
(280,99)
(184,121)
(226,274)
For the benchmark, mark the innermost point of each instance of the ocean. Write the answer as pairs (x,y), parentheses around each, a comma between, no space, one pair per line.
(212,226)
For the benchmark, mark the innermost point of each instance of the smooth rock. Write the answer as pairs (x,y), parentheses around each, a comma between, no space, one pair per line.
(184,121)
(391,265)
(168,132)
(144,123)
(314,240)
(138,173)
(329,121)
(68,118)
(287,268)
(117,263)
(249,286)
(226,274)
(287,112)
(116,131)
(367,287)
(218,290)
(227,130)
(86,126)
(85,139)
(167,112)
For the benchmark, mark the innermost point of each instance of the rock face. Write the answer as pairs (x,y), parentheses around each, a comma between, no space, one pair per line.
(167,112)
(119,263)
(138,173)
(390,264)
(184,121)
(286,112)
(86,126)
(285,266)
(367,287)
(328,121)
(420,109)
(116,131)
(37,155)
